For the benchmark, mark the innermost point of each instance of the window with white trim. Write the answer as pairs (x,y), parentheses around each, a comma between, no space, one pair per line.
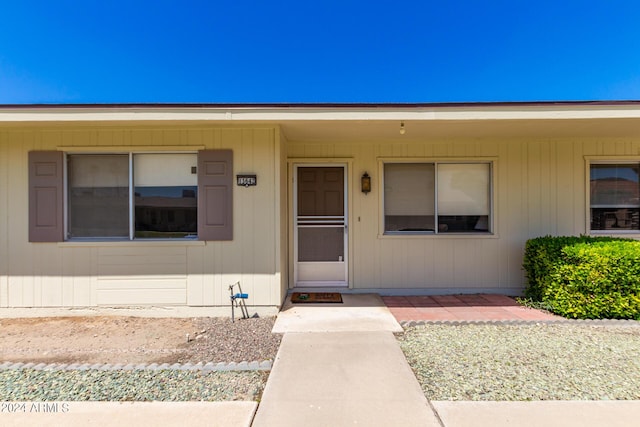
(437,197)
(614,196)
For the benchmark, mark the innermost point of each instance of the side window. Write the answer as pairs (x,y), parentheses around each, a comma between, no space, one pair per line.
(437,198)
(615,196)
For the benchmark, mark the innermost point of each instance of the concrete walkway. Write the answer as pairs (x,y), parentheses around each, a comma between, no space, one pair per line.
(574,413)
(342,378)
(138,414)
(339,365)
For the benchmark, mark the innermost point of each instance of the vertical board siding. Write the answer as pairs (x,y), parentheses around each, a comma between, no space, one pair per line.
(539,189)
(565,194)
(279,290)
(540,186)
(20,285)
(134,273)
(4,219)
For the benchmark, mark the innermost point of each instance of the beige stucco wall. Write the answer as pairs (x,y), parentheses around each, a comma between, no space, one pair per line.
(142,272)
(539,189)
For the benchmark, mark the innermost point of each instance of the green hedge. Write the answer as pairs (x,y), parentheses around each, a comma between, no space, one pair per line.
(585,277)
(543,253)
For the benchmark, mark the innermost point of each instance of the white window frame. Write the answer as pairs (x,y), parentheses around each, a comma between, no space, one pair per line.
(604,160)
(492,162)
(131,183)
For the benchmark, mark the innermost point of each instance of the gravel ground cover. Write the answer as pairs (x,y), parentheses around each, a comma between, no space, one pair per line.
(133,340)
(217,339)
(93,385)
(525,362)
(119,339)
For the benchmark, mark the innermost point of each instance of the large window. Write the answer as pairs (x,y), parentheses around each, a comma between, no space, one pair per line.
(130,196)
(437,197)
(615,196)
(164,202)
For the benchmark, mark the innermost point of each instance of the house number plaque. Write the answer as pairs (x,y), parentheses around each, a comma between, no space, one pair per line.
(246,180)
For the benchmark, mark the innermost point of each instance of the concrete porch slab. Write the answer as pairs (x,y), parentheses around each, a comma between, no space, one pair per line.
(357,313)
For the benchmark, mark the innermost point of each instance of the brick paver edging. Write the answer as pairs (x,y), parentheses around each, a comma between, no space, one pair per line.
(204,367)
(594,322)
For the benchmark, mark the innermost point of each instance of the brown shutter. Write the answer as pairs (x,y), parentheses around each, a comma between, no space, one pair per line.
(215,195)
(45,196)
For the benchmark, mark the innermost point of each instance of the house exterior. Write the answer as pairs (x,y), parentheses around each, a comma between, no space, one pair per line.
(169,205)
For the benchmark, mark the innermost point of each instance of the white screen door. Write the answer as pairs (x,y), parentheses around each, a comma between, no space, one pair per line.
(320,226)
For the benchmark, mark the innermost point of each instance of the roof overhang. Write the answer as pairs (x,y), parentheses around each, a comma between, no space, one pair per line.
(360,122)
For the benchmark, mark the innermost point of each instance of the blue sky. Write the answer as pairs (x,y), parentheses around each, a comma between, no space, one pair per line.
(306,51)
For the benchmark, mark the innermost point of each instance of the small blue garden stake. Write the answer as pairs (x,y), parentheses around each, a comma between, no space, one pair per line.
(237,300)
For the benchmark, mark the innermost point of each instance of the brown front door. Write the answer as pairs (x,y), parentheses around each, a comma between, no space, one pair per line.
(320,226)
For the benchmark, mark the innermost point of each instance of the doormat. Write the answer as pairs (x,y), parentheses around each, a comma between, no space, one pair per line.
(316,297)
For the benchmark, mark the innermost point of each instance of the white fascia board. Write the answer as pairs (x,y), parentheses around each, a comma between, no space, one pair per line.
(311,113)
(108,115)
(440,114)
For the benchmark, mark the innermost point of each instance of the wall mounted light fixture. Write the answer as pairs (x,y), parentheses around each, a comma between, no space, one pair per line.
(402,129)
(365,183)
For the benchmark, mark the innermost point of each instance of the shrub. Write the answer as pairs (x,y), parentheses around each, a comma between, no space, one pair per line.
(542,254)
(585,277)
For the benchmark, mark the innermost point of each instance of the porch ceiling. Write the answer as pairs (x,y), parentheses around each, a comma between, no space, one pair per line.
(389,130)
